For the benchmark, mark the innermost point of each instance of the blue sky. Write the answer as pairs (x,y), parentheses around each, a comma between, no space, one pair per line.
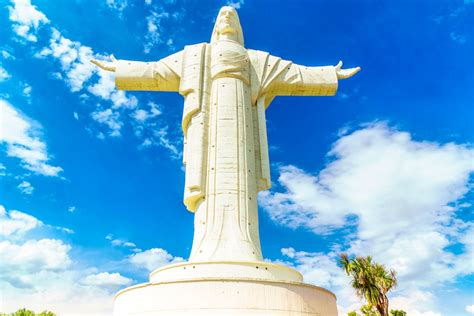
(92,180)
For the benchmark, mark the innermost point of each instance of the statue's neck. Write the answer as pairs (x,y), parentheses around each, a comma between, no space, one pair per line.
(229,37)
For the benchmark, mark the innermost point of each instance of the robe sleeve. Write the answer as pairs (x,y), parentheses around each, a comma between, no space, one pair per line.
(297,80)
(162,75)
(272,76)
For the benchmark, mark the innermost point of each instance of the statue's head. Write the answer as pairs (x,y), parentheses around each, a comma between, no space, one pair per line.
(228,26)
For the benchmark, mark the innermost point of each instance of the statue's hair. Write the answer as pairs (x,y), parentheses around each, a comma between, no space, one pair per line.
(240,34)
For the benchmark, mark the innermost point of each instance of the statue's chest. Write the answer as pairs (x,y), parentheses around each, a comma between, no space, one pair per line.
(229,60)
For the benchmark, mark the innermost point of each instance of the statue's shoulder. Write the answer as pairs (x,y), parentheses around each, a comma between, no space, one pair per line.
(260,56)
(257,54)
(196,46)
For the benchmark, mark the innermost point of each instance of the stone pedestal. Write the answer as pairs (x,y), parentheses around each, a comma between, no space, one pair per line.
(202,288)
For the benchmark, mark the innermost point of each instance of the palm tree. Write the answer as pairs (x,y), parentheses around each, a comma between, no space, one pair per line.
(396,312)
(370,280)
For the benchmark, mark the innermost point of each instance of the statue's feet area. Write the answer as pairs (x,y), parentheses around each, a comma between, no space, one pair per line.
(225,288)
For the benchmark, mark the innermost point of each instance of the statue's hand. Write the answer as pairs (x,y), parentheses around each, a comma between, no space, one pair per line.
(345,73)
(106,65)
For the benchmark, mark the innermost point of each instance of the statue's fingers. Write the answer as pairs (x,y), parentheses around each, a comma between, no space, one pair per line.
(355,70)
(112,57)
(339,65)
(347,73)
(96,62)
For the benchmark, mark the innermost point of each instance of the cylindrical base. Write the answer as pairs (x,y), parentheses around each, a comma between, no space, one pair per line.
(221,296)
(260,270)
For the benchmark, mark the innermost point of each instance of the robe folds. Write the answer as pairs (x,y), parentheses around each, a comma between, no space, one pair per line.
(189,73)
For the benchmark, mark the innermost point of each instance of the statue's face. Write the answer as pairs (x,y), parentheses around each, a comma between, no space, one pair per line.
(227,22)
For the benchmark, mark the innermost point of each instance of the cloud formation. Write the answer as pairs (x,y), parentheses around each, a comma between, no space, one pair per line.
(21,135)
(16,223)
(26,188)
(106,279)
(113,106)
(44,264)
(26,19)
(152,259)
(389,196)
(4,75)
(377,174)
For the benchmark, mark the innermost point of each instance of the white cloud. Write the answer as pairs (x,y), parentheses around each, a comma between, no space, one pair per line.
(119,5)
(76,116)
(458,38)
(235,3)
(41,274)
(80,76)
(153,36)
(105,89)
(158,16)
(65,230)
(26,188)
(109,118)
(140,115)
(149,129)
(27,90)
(4,75)
(155,109)
(317,268)
(6,54)
(152,259)
(321,269)
(58,291)
(162,138)
(417,303)
(71,209)
(106,279)
(33,255)
(21,136)
(78,70)
(16,223)
(119,242)
(74,58)
(378,183)
(26,19)
(377,174)
(470,309)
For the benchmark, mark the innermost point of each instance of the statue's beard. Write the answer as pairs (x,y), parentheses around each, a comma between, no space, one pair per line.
(226,29)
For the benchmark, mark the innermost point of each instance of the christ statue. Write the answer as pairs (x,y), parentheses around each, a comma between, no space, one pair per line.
(226,89)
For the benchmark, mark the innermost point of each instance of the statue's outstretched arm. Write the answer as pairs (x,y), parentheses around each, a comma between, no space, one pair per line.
(162,75)
(301,80)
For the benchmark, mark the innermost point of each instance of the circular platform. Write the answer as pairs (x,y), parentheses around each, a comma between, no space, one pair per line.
(225,297)
(225,288)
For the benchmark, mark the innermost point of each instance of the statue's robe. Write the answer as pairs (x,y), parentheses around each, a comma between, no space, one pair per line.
(226,90)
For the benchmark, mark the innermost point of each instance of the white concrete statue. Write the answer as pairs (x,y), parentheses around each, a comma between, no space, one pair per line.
(226,89)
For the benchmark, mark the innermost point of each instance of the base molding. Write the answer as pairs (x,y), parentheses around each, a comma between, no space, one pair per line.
(225,296)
